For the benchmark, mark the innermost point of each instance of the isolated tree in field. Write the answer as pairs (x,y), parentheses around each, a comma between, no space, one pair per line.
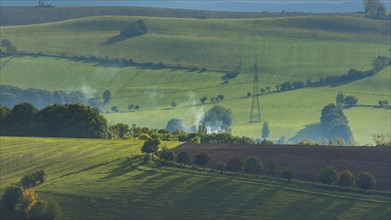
(383,103)
(114,109)
(203,100)
(137,28)
(334,123)
(150,145)
(268,89)
(235,164)
(221,97)
(220,166)
(218,118)
(173,104)
(7,46)
(183,158)
(345,179)
(351,100)
(131,107)
(175,124)
(265,130)
(253,165)
(374,8)
(106,96)
(340,99)
(270,168)
(167,155)
(365,181)
(201,159)
(288,174)
(328,175)
(249,94)
(12,196)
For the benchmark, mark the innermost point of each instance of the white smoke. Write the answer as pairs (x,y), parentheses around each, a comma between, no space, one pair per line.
(88,91)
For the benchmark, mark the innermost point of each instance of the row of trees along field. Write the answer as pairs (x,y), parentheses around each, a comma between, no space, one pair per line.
(253,165)
(378,64)
(80,121)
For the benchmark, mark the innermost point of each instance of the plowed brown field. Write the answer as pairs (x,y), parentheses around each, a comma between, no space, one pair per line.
(307,161)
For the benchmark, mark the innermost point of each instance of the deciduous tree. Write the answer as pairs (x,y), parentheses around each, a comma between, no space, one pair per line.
(345,179)
(365,181)
(235,164)
(201,159)
(253,165)
(183,158)
(328,175)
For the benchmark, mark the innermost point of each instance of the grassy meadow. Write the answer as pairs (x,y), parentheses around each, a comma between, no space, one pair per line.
(101,180)
(289,114)
(287,49)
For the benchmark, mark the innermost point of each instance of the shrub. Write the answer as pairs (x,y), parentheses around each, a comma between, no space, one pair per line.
(365,181)
(328,175)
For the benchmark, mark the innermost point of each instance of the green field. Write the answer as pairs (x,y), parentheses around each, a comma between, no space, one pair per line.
(287,113)
(216,43)
(94,179)
(288,48)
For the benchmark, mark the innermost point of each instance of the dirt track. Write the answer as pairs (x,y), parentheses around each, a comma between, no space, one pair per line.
(307,161)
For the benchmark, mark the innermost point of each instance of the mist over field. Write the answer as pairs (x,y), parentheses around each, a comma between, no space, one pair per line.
(330,6)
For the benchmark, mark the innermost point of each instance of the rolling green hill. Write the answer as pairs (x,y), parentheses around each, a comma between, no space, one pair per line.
(287,113)
(288,48)
(216,44)
(109,184)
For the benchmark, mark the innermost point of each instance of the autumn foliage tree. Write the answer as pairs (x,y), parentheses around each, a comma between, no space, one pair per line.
(345,179)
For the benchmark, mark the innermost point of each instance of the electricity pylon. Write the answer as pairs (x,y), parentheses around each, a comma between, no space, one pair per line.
(255,115)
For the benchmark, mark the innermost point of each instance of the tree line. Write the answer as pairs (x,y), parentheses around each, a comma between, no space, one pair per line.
(378,64)
(69,120)
(253,165)
(11,96)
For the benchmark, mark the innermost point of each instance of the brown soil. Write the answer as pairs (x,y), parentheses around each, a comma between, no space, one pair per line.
(306,161)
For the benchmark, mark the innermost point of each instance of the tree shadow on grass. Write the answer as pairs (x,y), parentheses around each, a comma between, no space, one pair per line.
(119,38)
(311,132)
(126,166)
